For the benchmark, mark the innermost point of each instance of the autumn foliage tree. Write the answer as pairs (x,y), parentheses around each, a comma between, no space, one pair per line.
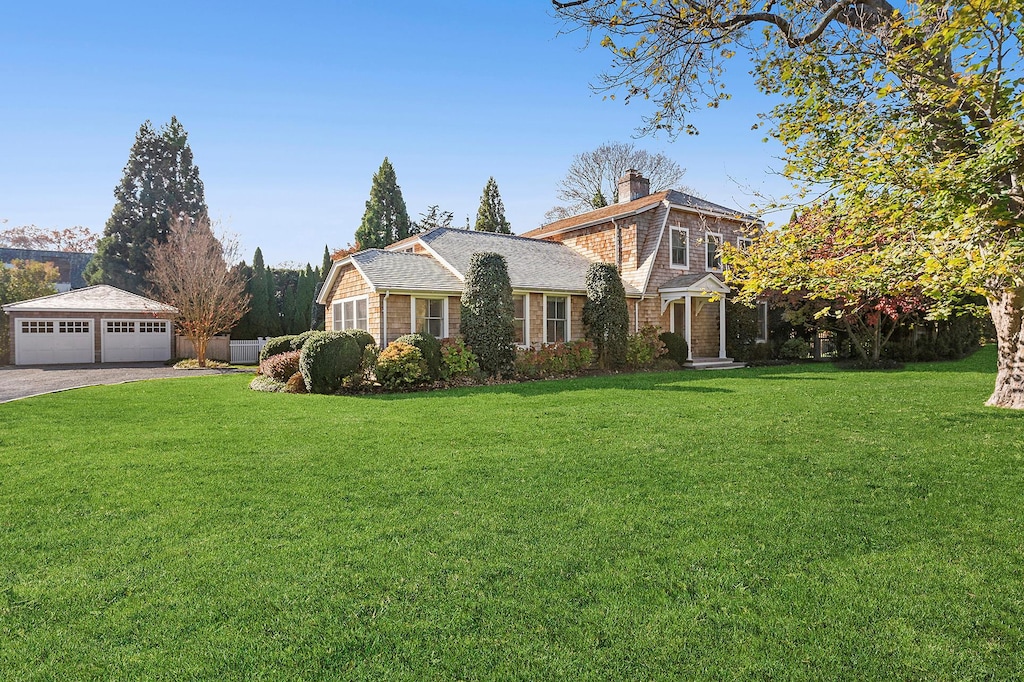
(73,239)
(910,115)
(20,281)
(831,274)
(191,271)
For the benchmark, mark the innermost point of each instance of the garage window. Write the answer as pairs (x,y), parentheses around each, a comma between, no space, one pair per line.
(34,327)
(120,327)
(152,327)
(73,327)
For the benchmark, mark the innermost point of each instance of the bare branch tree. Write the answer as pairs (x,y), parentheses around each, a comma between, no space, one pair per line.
(191,272)
(75,239)
(592,178)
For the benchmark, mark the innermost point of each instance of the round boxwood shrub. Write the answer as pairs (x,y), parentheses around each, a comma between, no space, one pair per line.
(326,359)
(282,366)
(794,349)
(299,340)
(430,348)
(675,344)
(275,346)
(401,364)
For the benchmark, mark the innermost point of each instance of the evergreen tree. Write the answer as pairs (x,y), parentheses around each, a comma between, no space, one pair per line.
(243,328)
(386,219)
(598,201)
(605,314)
(319,316)
(305,292)
(490,217)
(271,284)
(256,322)
(159,182)
(487,310)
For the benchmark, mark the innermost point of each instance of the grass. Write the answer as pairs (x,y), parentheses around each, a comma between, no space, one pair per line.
(796,522)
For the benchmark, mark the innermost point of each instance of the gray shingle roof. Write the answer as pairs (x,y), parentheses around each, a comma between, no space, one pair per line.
(96,299)
(683,281)
(401,270)
(533,265)
(690,201)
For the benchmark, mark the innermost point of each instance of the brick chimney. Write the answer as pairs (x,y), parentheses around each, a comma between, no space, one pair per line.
(632,186)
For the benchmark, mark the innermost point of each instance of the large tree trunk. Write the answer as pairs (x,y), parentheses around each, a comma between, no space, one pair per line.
(1008,316)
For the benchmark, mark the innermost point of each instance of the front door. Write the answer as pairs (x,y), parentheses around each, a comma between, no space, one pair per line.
(679,318)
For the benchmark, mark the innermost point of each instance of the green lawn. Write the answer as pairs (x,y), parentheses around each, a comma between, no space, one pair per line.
(784,523)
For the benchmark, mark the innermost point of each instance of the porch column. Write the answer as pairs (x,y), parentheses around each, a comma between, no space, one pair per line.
(721,327)
(686,328)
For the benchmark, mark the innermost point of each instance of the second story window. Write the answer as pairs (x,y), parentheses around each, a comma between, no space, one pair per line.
(744,243)
(680,247)
(713,243)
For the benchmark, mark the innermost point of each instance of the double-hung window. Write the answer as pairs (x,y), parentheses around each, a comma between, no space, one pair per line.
(430,316)
(744,243)
(556,319)
(519,318)
(351,314)
(762,322)
(680,247)
(713,243)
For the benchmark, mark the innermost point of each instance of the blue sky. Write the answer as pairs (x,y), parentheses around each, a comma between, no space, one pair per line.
(291,107)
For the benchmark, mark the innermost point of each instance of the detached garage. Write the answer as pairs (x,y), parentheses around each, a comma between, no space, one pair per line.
(95,324)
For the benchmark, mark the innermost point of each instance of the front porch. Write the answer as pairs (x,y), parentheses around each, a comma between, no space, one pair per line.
(696,311)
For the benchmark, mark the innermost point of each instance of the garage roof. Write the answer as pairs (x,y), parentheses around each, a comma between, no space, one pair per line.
(96,299)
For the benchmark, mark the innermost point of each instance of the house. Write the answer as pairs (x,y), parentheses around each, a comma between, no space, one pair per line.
(95,324)
(70,264)
(666,246)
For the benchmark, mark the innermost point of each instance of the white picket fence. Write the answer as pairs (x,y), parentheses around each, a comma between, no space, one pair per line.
(246,352)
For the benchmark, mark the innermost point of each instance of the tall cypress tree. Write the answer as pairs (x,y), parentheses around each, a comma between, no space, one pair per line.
(257,321)
(490,217)
(319,316)
(386,219)
(159,181)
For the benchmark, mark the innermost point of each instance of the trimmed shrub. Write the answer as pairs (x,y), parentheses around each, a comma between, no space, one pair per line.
(675,347)
(327,359)
(362,337)
(457,359)
(401,364)
(605,314)
(487,314)
(555,359)
(430,348)
(265,384)
(275,346)
(795,349)
(299,340)
(282,366)
(295,384)
(644,347)
(760,354)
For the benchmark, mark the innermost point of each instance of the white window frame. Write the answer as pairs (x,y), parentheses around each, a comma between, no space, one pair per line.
(686,249)
(444,313)
(525,318)
(717,238)
(338,307)
(568,317)
(744,243)
(762,323)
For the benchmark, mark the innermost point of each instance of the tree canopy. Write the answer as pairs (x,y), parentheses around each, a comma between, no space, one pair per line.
(910,117)
(160,182)
(386,219)
(592,180)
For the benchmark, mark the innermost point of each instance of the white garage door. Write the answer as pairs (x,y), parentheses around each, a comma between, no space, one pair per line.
(136,340)
(52,342)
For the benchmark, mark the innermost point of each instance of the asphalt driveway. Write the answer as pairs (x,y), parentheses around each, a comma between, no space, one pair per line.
(23,382)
